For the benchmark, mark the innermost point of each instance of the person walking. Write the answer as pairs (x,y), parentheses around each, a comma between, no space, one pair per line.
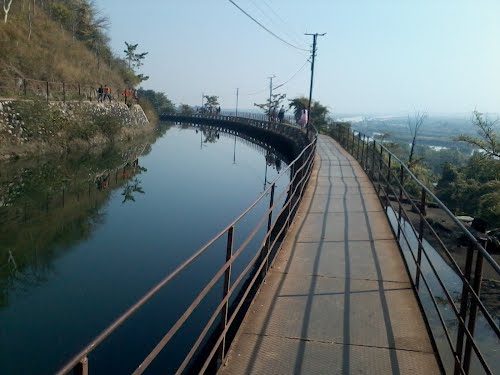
(107,93)
(303,118)
(281,114)
(100,93)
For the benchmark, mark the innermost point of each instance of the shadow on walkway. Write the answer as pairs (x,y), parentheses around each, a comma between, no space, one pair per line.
(338,299)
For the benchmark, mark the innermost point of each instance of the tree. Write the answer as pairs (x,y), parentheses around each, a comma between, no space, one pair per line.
(414,125)
(159,100)
(134,59)
(6,9)
(318,115)
(487,139)
(212,102)
(186,109)
(274,103)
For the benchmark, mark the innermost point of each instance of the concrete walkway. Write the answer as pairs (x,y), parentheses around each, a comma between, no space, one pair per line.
(338,299)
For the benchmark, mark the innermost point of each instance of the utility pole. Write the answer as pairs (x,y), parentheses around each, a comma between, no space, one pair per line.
(315,36)
(237,95)
(270,94)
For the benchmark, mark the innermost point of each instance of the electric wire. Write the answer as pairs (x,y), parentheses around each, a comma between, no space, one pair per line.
(280,85)
(293,76)
(268,16)
(265,28)
(296,37)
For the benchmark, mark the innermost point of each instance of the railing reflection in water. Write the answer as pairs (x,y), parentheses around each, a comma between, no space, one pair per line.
(454,306)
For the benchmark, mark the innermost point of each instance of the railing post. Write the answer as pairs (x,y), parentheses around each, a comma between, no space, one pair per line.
(464,303)
(401,179)
(47,91)
(227,284)
(478,278)
(269,224)
(367,147)
(420,238)
(357,146)
(379,175)
(373,159)
(79,92)
(389,169)
(82,368)
(362,151)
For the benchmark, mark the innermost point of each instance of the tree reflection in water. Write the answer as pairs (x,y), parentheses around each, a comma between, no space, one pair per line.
(47,206)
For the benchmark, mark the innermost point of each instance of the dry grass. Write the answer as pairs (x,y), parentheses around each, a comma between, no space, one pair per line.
(51,54)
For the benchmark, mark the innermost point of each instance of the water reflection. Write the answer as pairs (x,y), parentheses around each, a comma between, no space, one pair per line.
(46,206)
(84,237)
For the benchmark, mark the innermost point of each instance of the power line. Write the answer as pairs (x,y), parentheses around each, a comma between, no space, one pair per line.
(268,16)
(280,85)
(293,76)
(297,37)
(265,28)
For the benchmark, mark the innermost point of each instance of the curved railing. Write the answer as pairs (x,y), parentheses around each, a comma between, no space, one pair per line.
(276,220)
(456,309)
(256,120)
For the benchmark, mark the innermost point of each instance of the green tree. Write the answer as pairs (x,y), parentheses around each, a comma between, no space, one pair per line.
(489,203)
(159,100)
(186,109)
(135,60)
(273,103)
(318,115)
(212,102)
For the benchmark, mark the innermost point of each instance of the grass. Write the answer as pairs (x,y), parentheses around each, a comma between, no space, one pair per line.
(51,54)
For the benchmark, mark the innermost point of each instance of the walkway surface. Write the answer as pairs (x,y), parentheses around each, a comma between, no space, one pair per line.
(338,299)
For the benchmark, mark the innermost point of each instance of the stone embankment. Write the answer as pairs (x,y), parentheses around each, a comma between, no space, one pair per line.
(27,127)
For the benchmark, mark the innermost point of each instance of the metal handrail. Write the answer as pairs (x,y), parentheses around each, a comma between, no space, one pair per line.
(470,301)
(28,88)
(79,362)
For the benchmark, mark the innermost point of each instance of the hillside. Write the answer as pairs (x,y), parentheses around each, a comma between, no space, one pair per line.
(59,40)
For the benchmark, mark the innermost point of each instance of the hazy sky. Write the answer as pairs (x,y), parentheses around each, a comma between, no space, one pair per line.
(379,56)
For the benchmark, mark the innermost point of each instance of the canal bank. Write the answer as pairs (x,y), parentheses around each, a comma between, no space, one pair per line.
(30,128)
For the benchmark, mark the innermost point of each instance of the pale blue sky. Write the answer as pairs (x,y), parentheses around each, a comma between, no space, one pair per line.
(379,56)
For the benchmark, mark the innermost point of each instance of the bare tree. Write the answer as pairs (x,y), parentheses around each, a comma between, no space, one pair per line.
(488,140)
(30,20)
(6,9)
(414,125)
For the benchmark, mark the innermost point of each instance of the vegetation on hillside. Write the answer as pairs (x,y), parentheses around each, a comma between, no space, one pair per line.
(464,174)
(66,41)
(60,40)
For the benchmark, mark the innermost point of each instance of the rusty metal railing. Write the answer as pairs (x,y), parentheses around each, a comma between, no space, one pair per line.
(457,309)
(225,315)
(28,88)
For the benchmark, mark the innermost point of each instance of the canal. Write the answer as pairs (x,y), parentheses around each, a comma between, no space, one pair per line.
(85,236)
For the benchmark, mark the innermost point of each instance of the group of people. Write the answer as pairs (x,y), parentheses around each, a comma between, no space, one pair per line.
(103,93)
(278,116)
(211,110)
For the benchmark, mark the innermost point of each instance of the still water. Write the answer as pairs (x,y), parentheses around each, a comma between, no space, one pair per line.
(82,238)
